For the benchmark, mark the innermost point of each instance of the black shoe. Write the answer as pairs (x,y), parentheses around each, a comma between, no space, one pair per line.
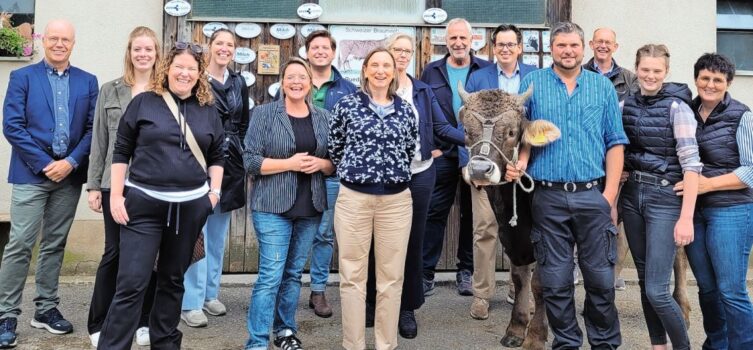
(289,342)
(52,320)
(8,333)
(428,287)
(370,311)
(463,279)
(407,326)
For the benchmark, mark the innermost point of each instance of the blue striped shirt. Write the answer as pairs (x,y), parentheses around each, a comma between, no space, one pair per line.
(589,119)
(745,147)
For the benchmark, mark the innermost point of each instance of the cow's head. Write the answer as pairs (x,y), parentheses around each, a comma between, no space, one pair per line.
(495,126)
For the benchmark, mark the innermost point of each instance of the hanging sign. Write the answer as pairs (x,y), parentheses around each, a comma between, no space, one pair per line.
(302,52)
(212,27)
(310,28)
(435,15)
(272,90)
(244,55)
(249,77)
(177,8)
(309,11)
(247,30)
(269,60)
(437,36)
(282,31)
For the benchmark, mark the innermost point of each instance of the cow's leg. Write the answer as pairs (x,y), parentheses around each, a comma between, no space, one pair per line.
(516,329)
(681,277)
(538,330)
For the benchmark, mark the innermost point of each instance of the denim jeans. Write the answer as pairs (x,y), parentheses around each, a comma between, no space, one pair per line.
(321,251)
(649,213)
(284,245)
(202,280)
(719,259)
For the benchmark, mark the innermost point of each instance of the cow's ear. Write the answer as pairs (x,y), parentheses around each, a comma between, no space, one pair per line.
(540,132)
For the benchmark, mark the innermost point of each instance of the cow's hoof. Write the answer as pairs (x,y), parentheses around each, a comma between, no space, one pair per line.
(511,341)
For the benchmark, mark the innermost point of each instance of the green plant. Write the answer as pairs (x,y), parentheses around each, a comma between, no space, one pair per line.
(11,42)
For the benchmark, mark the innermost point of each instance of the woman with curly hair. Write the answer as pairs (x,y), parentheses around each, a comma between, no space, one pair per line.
(169,135)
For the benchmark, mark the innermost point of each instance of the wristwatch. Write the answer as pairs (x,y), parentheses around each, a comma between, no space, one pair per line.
(216,192)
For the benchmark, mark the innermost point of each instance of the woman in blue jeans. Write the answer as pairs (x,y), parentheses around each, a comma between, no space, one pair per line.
(202,280)
(724,216)
(286,152)
(662,151)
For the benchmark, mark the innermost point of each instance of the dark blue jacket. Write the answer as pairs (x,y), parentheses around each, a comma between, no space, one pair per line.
(29,121)
(432,120)
(488,77)
(435,75)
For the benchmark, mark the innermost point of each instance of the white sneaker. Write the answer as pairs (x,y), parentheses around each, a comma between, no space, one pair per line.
(215,307)
(142,336)
(194,318)
(94,339)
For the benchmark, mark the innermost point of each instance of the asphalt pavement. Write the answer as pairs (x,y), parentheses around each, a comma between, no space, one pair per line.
(444,321)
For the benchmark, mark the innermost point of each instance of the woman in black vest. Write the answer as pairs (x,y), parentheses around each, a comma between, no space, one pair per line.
(202,280)
(724,216)
(662,151)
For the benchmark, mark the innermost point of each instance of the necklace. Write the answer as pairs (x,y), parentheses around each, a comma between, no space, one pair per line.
(403,86)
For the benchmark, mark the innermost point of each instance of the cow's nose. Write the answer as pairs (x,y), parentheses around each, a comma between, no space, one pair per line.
(481,167)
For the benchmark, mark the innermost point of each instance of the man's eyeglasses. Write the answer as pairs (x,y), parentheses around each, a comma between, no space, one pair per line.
(509,45)
(195,48)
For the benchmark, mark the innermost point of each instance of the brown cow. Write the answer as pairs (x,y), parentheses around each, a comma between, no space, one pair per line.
(495,126)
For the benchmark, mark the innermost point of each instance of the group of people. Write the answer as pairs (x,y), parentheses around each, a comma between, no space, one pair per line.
(168,145)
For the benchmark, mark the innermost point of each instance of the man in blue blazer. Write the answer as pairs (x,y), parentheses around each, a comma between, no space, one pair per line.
(47,119)
(505,75)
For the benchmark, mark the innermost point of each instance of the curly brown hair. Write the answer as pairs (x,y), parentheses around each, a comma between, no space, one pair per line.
(202,90)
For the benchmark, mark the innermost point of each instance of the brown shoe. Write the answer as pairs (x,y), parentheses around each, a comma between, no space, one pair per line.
(480,308)
(318,302)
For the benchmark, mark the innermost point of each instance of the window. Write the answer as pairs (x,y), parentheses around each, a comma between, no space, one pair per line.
(257,9)
(494,12)
(734,34)
(17,29)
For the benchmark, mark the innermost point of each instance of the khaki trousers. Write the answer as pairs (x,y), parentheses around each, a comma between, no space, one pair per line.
(358,218)
(485,231)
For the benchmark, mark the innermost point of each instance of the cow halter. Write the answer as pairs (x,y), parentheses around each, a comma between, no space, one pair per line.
(486,143)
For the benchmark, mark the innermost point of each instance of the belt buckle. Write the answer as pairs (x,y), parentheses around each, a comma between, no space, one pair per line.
(567,184)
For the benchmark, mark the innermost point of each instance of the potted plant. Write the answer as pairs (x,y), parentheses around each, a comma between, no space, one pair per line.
(12,43)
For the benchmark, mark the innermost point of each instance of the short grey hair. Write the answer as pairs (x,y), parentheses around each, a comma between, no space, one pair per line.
(459,20)
(397,36)
(566,28)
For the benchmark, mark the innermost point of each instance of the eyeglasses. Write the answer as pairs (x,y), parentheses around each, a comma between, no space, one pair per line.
(509,45)
(603,43)
(399,51)
(195,48)
(55,40)
(301,77)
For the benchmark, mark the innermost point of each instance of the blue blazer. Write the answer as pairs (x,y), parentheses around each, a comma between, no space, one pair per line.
(431,120)
(29,121)
(484,79)
(488,77)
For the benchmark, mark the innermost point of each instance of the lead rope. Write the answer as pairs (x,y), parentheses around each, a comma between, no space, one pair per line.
(514,219)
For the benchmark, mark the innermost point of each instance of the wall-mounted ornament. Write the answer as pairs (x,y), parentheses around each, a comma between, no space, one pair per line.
(435,15)
(478,40)
(244,55)
(177,8)
(310,28)
(309,11)
(272,90)
(249,77)
(212,27)
(269,60)
(282,31)
(247,30)
(302,52)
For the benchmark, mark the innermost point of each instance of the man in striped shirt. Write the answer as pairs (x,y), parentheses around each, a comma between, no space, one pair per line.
(577,178)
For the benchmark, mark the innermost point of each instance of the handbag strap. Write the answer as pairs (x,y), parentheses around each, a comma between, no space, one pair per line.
(190,139)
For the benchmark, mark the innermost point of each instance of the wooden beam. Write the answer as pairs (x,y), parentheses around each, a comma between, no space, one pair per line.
(559,11)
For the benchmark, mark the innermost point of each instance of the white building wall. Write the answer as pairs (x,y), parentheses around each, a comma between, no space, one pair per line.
(687,27)
(102,28)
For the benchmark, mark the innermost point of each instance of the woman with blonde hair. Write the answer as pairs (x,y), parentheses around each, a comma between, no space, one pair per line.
(286,152)
(431,123)
(172,138)
(372,141)
(141,56)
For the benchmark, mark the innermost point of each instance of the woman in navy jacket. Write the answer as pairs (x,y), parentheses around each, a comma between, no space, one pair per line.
(431,121)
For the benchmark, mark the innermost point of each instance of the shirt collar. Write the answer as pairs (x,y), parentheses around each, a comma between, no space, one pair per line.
(514,73)
(596,65)
(51,70)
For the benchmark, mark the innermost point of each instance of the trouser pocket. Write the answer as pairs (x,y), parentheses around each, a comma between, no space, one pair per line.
(539,246)
(610,237)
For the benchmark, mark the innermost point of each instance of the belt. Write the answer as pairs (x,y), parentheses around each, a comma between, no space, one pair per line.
(646,178)
(571,186)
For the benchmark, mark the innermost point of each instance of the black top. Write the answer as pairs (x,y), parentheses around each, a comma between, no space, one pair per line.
(303,131)
(150,139)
